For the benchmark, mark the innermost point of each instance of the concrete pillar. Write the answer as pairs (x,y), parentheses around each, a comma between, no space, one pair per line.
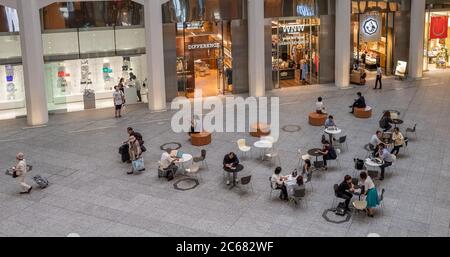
(416,38)
(33,61)
(343,53)
(155,55)
(256,59)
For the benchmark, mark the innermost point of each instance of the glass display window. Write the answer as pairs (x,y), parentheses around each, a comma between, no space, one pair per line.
(295,51)
(66,81)
(437,41)
(12,93)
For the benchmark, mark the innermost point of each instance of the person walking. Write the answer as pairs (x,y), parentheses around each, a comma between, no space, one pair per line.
(379,77)
(119,101)
(20,171)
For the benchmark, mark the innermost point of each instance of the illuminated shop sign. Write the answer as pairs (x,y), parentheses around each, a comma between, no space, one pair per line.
(203,46)
(371,27)
(293,40)
(304,10)
(291,29)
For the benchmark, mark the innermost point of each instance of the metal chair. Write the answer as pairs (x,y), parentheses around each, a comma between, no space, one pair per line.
(272,188)
(202,159)
(301,158)
(412,131)
(341,141)
(247,181)
(336,197)
(368,150)
(243,147)
(274,155)
(338,162)
(308,179)
(298,195)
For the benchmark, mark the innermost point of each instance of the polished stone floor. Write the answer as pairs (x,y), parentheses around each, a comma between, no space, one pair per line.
(91,195)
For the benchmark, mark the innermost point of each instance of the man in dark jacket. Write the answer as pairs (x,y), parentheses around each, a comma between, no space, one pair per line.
(345,190)
(230,163)
(359,103)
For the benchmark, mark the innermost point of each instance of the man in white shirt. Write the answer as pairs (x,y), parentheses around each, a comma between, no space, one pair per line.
(119,99)
(375,141)
(21,171)
(379,76)
(167,163)
(320,108)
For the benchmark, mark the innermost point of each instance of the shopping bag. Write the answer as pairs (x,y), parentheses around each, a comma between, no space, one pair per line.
(138,165)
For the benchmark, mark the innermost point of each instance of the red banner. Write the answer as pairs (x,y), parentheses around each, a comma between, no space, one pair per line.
(439,27)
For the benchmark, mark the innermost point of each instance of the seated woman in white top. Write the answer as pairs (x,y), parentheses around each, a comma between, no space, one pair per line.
(370,192)
(320,108)
(278,183)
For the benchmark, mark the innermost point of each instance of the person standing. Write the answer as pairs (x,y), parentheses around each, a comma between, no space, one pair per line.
(399,141)
(137,85)
(135,151)
(21,171)
(119,100)
(379,77)
(121,85)
(370,192)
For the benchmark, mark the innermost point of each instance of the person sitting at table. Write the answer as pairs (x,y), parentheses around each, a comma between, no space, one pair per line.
(385,121)
(375,141)
(370,192)
(330,122)
(167,164)
(399,141)
(359,103)
(328,153)
(386,156)
(298,186)
(307,168)
(278,183)
(320,108)
(230,163)
(345,190)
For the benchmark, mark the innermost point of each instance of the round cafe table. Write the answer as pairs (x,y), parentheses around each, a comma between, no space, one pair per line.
(397,122)
(263,145)
(235,171)
(331,131)
(315,152)
(184,159)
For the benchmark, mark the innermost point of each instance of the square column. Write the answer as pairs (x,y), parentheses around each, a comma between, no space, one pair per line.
(256,60)
(343,53)
(155,55)
(416,38)
(33,61)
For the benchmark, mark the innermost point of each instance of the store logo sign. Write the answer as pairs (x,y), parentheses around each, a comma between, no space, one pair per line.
(291,29)
(371,26)
(303,10)
(203,46)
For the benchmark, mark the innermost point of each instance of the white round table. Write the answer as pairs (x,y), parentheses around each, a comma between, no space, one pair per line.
(331,131)
(263,145)
(371,163)
(186,158)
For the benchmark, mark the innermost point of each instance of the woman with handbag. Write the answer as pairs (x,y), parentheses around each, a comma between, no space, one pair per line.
(135,153)
(20,171)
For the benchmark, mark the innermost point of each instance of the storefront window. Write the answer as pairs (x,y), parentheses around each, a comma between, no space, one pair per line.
(295,51)
(67,81)
(373,35)
(437,42)
(12,93)
(204,58)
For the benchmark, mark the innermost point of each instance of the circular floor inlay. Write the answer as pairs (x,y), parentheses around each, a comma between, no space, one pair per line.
(186,184)
(291,128)
(171,145)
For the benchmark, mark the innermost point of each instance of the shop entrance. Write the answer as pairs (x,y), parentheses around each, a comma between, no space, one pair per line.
(437,43)
(295,52)
(204,58)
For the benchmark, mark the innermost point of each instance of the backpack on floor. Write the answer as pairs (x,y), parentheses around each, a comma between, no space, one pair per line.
(41,181)
(340,209)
